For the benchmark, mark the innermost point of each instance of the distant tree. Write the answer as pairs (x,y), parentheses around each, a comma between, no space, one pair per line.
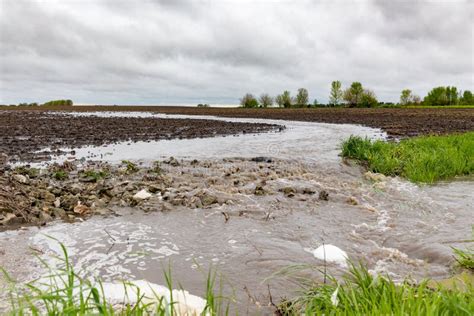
(205,105)
(437,96)
(59,103)
(266,100)
(302,98)
(406,97)
(415,99)
(467,98)
(335,97)
(286,99)
(368,99)
(315,103)
(353,94)
(452,95)
(249,101)
(279,101)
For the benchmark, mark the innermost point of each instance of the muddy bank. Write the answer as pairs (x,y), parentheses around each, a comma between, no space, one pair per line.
(396,122)
(26,132)
(76,191)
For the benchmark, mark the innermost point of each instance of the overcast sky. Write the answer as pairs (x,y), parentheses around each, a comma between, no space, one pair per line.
(187,52)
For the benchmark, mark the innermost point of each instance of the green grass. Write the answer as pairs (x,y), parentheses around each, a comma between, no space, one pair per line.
(65,292)
(424,159)
(438,106)
(60,175)
(94,175)
(360,293)
(465,257)
(130,167)
(26,171)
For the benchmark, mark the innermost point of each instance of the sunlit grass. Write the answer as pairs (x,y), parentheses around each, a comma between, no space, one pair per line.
(424,159)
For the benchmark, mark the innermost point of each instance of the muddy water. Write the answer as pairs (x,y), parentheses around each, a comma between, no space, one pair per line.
(396,227)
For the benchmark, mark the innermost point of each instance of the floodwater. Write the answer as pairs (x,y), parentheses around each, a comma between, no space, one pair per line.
(396,227)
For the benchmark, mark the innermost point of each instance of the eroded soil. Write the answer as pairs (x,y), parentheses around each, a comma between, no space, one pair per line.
(398,122)
(23,133)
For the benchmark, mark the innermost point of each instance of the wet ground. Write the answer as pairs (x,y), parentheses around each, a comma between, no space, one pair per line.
(35,136)
(396,122)
(257,216)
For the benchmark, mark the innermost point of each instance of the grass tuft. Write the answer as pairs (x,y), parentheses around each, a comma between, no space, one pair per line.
(361,293)
(465,257)
(93,175)
(64,292)
(130,167)
(424,159)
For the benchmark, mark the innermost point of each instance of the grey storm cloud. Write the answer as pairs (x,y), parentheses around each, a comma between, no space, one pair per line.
(186,52)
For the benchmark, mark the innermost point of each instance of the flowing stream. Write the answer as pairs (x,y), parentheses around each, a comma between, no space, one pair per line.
(396,227)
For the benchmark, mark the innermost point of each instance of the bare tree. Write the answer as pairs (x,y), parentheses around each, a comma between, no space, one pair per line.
(266,100)
(302,97)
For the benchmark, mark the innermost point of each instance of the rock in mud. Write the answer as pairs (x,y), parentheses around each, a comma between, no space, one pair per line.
(69,201)
(20,178)
(58,212)
(48,197)
(142,195)
(262,159)
(323,195)
(9,219)
(259,190)
(376,177)
(207,198)
(44,217)
(155,188)
(309,191)
(288,191)
(172,161)
(82,209)
(3,161)
(353,201)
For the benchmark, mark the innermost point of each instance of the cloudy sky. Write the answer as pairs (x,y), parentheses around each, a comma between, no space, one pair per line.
(187,52)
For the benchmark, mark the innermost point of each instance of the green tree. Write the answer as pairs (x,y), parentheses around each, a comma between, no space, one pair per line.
(279,101)
(285,99)
(249,101)
(266,100)
(368,99)
(335,97)
(406,97)
(452,95)
(302,98)
(437,96)
(353,94)
(467,98)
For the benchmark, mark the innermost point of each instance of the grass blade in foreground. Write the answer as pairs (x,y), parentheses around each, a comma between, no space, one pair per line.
(425,159)
(64,292)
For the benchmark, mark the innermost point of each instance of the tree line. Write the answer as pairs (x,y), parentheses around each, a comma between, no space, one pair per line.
(438,96)
(49,103)
(356,95)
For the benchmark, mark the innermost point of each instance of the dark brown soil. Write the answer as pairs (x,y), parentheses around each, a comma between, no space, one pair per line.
(397,122)
(25,132)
